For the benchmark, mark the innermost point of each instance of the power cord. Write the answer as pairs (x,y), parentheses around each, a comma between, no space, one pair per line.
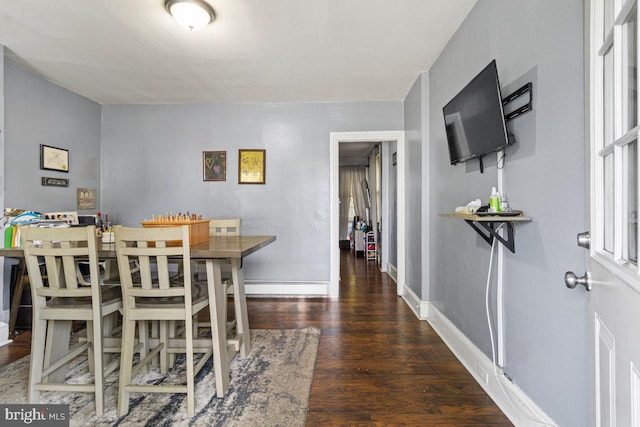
(501,159)
(493,344)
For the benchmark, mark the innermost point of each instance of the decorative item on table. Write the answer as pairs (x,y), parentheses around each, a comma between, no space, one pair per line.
(471,207)
(198,227)
(12,219)
(68,217)
(100,224)
(108,236)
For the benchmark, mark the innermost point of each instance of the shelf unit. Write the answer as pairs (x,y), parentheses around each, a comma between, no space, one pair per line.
(489,223)
(370,245)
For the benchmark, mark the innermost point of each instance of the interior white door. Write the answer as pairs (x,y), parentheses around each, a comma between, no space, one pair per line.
(612,142)
(614,317)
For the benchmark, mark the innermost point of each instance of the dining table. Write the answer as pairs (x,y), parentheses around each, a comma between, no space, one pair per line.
(214,252)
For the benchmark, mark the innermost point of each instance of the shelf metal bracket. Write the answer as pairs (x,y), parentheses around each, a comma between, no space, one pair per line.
(490,227)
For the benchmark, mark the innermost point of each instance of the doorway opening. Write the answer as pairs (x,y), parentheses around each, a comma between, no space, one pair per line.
(384,139)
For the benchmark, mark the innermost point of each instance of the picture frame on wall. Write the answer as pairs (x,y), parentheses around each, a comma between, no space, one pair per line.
(214,165)
(54,158)
(251,166)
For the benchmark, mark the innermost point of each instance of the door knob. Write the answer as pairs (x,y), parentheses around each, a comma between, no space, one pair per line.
(571,280)
(584,240)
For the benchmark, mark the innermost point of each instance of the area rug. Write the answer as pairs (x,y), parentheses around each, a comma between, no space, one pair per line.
(270,387)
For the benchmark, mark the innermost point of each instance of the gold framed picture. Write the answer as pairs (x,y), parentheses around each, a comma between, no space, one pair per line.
(251,166)
(214,165)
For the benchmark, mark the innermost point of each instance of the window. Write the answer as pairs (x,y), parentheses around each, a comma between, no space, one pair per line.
(614,88)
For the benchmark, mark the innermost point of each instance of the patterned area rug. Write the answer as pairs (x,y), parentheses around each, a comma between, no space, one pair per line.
(268,388)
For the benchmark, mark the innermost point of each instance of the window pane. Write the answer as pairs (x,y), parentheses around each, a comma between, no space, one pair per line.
(608,15)
(608,136)
(631,49)
(609,208)
(632,201)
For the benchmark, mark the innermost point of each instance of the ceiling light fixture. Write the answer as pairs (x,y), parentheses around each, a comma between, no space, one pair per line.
(191,14)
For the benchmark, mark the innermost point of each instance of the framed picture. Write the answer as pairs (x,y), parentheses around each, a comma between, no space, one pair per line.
(251,166)
(55,159)
(214,165)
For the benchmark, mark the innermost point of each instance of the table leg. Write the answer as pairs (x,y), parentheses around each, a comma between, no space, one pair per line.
(111,273)
(217,300)
(240,304)
(17,295)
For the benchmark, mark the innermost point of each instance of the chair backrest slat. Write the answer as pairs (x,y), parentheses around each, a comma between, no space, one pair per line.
(153,248)
(224,227)
(61,249)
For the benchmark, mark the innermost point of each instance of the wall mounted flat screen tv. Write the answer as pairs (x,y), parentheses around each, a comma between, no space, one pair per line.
(474,118)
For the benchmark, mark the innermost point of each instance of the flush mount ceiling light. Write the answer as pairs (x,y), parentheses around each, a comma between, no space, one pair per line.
(191,14)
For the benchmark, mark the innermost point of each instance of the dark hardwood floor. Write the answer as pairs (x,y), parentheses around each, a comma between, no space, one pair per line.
(377,363)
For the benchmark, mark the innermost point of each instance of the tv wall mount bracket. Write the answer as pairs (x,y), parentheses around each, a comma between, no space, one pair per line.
(527,88)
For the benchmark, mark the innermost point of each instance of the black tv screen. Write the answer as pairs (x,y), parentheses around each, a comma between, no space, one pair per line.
(474,118)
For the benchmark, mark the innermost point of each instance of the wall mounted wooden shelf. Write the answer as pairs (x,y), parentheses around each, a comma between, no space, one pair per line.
(490,224)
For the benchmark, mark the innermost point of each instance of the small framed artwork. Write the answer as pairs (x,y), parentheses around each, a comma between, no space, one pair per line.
(86,198)
(251,166)
(214,165)
(54,159)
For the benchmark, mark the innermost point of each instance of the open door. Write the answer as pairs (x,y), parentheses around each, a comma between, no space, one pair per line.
(613,278)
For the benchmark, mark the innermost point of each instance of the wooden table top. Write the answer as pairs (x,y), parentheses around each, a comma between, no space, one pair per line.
(227,247)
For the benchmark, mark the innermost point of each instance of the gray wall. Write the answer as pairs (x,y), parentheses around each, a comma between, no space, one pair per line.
(546,337)
(152,164)
(39,112)
(413,178)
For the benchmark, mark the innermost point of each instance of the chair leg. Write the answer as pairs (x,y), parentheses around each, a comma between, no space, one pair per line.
(38,338)
(90,338)
(143,339)
(48,347)
(172,334)
(164,334)
(96,351)
(155,333)
(191,400)
(126,362)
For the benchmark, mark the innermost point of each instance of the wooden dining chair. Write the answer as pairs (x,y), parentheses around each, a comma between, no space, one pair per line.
(152,295)
(58,299)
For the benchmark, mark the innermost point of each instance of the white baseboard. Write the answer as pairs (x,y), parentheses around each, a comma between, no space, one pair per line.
(392,271)
(4,334)
(515,404)
(412,301)
(256,287)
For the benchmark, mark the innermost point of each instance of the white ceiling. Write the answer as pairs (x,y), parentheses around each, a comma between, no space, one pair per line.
(132,52)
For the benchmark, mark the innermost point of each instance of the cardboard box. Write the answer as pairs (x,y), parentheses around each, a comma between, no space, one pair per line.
(198,229)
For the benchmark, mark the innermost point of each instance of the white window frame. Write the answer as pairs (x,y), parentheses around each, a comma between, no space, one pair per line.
(599,44)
